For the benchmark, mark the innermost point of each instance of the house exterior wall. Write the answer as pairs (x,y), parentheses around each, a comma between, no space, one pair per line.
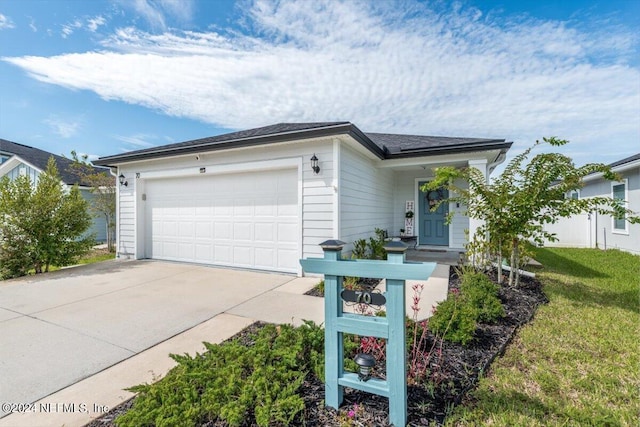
(366,197)
(593,230)
(99,224)
(317,191)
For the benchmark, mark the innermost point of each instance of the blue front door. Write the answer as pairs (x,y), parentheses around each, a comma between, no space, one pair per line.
(433,229)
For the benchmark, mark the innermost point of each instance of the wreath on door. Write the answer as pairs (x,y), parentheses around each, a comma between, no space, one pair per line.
(434,196)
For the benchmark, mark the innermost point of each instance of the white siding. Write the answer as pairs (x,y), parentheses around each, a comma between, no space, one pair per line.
(459,223)
(597,231)
(126,225)
(366,197)
(317,190)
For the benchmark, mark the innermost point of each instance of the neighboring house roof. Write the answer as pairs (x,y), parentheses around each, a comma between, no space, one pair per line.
(625,161)
(39,158)
(384,146)
(618,166)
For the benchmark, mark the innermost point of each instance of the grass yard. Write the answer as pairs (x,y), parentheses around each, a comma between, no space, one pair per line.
(578,362)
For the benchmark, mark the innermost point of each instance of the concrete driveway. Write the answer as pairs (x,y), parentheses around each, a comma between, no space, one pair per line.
(59,328)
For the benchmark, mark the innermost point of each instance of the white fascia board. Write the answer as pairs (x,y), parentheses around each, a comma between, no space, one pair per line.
(620,168)
(437,159)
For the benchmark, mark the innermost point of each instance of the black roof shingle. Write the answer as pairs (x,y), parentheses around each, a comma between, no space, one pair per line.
(39,159)
(383,145)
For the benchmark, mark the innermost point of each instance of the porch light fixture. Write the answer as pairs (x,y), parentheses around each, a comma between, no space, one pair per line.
(365,362)
(122,180)
(314,165)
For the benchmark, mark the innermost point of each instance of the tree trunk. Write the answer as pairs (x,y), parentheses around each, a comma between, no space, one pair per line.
(514,244)
(517,263)
(499,262)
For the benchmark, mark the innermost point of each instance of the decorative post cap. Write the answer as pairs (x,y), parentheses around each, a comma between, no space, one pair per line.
(395,247)
(332,245)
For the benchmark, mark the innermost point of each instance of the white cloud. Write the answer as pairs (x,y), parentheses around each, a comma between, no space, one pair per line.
(32,24)
(68,29)
(94,23)
(413,70)
(156,12)
(6,23)
(61,127)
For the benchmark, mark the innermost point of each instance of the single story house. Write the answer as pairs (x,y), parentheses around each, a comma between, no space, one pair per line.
(264,198)
(591,230)
(18,159)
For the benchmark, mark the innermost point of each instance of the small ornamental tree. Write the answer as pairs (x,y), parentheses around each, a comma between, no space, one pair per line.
(42,224)
(103,188)
(515,207)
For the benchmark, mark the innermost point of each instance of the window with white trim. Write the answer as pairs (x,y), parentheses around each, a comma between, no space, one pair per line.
(574,194)
(619,192)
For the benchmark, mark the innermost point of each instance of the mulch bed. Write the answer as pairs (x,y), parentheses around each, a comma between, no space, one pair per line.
(454,369)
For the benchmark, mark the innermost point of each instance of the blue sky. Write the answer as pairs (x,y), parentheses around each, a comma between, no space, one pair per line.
(103,77)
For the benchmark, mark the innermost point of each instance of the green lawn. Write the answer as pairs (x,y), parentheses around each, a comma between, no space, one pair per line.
(578,362)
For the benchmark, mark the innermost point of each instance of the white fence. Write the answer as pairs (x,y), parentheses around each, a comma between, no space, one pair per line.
(578,231)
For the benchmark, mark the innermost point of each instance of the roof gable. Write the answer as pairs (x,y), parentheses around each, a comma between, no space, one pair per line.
(39,158)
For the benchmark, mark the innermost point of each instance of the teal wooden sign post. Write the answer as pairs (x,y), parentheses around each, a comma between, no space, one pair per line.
(392,327)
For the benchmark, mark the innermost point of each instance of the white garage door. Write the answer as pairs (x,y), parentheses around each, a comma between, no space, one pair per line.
(243,219)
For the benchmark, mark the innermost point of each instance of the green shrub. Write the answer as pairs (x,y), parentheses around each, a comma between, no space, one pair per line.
(234,383)
(482,294)
(376,244)
(454,320)
(359,249)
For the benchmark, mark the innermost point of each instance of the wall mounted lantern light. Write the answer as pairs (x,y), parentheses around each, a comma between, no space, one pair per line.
(122,180)
(314,164)
(365,362)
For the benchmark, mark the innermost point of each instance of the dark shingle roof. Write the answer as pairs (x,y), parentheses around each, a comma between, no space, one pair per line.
(385,146)
(407,145)
(625,160)
(39,159)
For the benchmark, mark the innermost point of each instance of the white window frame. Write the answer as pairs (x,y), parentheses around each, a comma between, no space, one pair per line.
(570,193)
(615,230)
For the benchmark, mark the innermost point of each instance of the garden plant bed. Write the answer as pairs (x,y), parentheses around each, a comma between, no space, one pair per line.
(453,370)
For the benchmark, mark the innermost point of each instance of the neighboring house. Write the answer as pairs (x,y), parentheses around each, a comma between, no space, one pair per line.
(591,230)
(258,199)
(17,159)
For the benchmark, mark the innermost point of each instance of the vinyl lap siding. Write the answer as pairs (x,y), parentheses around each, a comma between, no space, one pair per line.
(317,202)
(366,197)
(459,223)
(126,224)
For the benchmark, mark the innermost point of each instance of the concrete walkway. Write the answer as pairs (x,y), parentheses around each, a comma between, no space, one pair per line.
(72,341)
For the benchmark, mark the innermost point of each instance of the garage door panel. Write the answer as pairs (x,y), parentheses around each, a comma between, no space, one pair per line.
(243,232)
(222,254)
(265,257)
(246,220)
(243,256)
(287,259)
(265,232)
(287,233)
(203,230)
(223,230)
